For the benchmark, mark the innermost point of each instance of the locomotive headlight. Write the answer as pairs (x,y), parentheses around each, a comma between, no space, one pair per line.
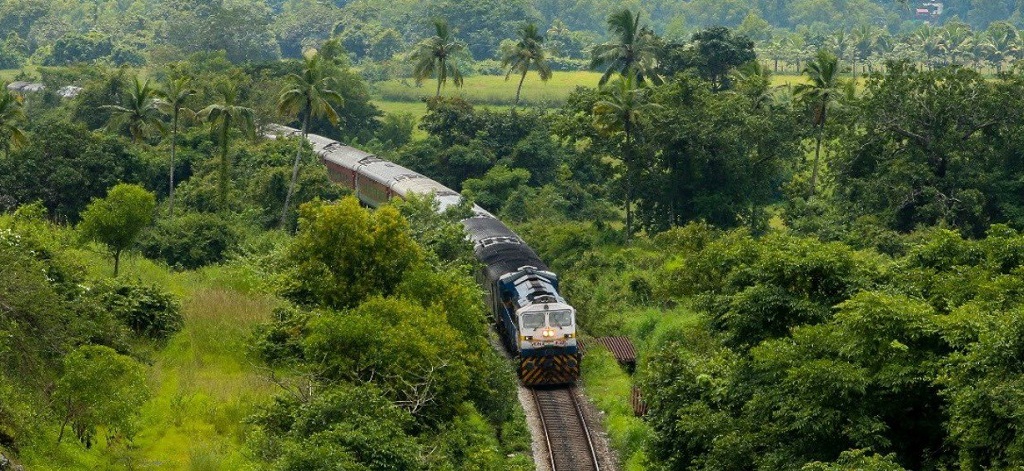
(549,333)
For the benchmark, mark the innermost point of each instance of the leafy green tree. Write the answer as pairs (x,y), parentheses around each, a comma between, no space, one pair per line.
(494,189)
(982,382)
(309,94)
(526,53)
(341,427)
(438,56)
(932,150)
(821,91)
(173,95)
(11,114)
(139,112)
(223,117)
(343,254)
(100,387)
(712,53)
(623,108)
(632,53)
(67,166)
(117,220)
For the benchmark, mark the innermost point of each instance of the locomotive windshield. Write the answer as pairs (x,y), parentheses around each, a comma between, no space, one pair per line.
(533,320)
(561,318)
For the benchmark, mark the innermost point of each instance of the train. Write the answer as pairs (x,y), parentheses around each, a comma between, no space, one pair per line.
(534,321)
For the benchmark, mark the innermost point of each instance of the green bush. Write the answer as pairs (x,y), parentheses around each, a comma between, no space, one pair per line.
(146,310)
(190,241)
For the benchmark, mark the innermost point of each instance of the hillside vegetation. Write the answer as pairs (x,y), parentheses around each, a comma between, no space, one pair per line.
(809,224)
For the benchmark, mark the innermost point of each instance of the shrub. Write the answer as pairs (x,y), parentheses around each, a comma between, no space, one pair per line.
(190,241)
(146,310)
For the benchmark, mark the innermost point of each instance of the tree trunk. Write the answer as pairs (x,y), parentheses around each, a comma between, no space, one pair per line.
(440,70)
(629,184)
(817,147)
(117,262)
(223,183)
(295,169)
(63,425)
(174,143)
(519,90)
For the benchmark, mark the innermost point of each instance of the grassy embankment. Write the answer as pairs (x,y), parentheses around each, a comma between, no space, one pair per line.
(203,385)
(610,387)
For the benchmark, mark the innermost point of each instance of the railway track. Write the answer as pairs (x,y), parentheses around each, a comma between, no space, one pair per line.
(566,434)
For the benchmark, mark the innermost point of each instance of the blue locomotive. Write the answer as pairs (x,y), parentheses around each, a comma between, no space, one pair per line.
(534,321)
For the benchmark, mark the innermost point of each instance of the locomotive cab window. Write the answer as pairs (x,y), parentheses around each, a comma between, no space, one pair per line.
(561,318)
(533,320)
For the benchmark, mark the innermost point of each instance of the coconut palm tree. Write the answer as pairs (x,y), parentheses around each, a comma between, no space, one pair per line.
(11,113)
(139,112)
(820,91)
(309,95)
(223,117)
(623,108)
(173,94)
(437,56)
(528,52)
(632,52)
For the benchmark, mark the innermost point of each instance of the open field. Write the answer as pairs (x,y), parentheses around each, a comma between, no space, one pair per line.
(493,89)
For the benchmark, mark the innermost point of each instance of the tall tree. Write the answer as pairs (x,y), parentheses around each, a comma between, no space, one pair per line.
(223,117)
(437,56)
(622,109)
(139,112)
(173,94)
(526,53)
(309,95)
(11,112)
(632,52)
(819,92)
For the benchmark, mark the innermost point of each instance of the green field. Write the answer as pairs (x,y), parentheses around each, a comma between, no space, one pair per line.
(492,89)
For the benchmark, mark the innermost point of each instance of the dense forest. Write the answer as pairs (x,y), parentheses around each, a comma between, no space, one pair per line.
(807,215)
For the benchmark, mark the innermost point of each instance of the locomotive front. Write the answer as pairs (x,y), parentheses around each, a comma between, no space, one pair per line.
(545,328)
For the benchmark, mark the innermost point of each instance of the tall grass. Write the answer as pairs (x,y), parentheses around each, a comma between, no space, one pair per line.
(609,387)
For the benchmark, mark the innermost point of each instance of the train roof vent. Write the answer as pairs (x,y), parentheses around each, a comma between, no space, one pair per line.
(446,193)
(333,145)
(370,160)
(544,298)
(408,176)
(499,240)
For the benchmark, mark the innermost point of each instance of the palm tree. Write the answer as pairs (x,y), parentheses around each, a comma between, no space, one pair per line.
(633,52)
(309,95)
(820,91)
(525,54)
(755,80)
(223,116)
(173,94)
(623,109)
(139,112)
(437,56)
(11,112)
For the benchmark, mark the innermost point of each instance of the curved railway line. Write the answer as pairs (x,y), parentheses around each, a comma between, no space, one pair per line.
(567,435)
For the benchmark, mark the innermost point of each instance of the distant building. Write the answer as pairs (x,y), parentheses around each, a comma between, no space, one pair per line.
(25,87)
(69,91)
(929,11)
